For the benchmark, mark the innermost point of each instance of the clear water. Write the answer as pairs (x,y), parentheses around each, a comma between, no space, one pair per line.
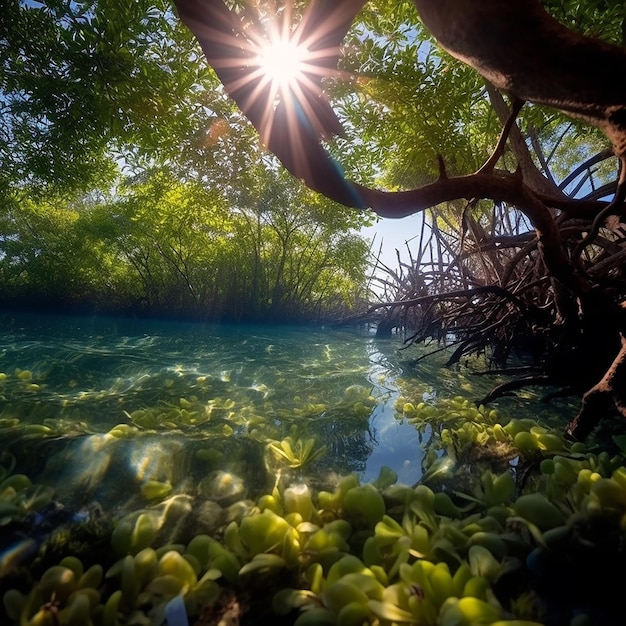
(199,399)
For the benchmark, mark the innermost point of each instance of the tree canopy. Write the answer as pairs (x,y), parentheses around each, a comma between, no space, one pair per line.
(131,183)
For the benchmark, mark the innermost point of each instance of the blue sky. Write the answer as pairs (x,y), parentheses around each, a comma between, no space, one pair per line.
(393,233)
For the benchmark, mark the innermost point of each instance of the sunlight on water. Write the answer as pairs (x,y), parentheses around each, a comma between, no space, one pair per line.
(117,410)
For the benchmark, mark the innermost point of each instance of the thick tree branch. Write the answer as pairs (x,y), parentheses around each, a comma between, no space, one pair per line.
(522,50)
(544,62)
(462,293)
(292,127)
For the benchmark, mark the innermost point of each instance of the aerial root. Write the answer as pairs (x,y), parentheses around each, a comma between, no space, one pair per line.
(611,388)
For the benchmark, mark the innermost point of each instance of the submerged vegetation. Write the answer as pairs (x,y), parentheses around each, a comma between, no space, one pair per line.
(507,552)
(202,494)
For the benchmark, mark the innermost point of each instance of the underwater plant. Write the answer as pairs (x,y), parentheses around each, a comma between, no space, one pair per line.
(380,553)
(18,495)
(295,453)
(497,538)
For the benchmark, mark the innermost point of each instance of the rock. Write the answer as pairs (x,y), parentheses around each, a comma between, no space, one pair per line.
(209,517)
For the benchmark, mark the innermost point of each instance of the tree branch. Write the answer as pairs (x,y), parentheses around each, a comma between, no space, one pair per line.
(521,49)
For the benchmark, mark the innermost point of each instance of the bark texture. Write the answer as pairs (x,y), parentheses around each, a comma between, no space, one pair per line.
(521,49)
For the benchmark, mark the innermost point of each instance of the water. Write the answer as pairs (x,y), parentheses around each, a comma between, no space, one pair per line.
(104,409)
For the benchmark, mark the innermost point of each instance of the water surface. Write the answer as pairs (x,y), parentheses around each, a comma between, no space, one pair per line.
(98,408)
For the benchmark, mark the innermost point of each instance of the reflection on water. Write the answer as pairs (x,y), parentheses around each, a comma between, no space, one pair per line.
(120,410)
(99,406)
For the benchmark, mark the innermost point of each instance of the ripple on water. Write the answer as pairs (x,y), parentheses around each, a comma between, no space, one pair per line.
(195,400)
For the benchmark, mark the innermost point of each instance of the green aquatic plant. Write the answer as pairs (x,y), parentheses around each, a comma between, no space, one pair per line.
(295,453)
(355,401)
(155,489)
(135,401)
(185,414)
(288,532)
(304,409)
(123,431)
(380,553)
(358,402)
(65,594)
(149,580)
(458,422)
(18,495)
(530,438)
(461,441)
(135,531)
(439,563)
(401,577)
(363,506)
(143,585)
(455,433)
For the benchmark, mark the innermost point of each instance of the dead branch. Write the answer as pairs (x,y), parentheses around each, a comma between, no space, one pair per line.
(514,385)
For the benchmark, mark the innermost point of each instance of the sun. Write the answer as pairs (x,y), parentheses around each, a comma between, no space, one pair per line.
(274,66)
(282,62)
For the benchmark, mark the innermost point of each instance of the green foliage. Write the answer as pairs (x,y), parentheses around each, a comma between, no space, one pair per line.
(601,19)
(98,78)
(396,78)
(386,554)
(201,224)
(106,88)
(46,251)
(18,496)
(171,247)
(204,224)
(428,103)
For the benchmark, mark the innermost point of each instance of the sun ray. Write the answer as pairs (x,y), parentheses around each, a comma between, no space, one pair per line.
(283,61)
(273,65)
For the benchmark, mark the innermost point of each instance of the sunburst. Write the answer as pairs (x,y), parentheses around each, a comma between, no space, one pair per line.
(287,59)
(274,65)
(283,62)
(286,73)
